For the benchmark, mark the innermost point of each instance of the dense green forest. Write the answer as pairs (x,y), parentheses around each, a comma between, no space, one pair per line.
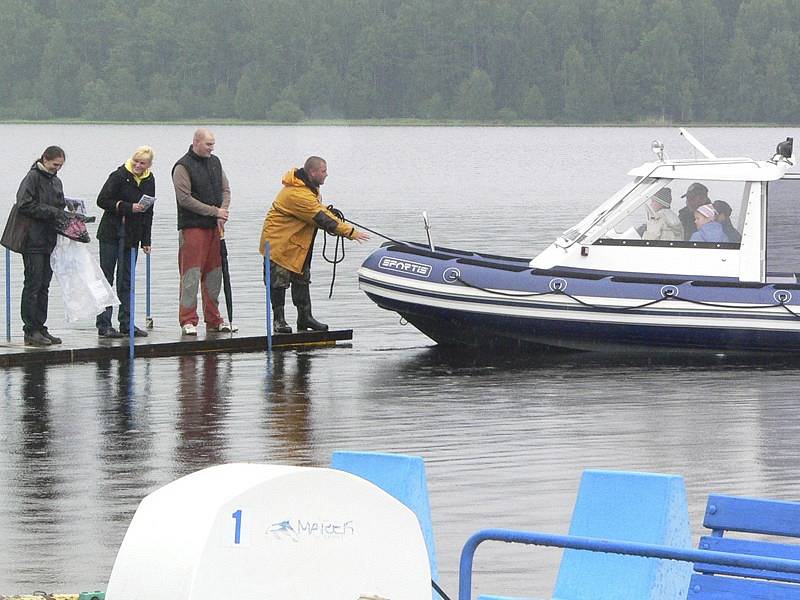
(480,60)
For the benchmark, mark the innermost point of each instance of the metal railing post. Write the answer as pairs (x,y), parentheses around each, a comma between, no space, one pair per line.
(132,311)
(267,286)
(148,320)
(8,295)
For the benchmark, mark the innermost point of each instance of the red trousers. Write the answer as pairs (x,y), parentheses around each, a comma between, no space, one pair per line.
(200,265)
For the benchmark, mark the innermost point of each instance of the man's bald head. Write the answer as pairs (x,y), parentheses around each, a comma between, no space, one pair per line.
(313,163)
(317,170)
(203,142)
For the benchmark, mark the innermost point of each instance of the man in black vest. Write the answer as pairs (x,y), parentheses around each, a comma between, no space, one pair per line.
(203,195)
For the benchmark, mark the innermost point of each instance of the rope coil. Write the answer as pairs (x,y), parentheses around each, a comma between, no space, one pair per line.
(340,240)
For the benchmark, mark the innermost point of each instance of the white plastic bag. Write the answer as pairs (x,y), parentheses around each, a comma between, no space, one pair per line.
(86,291)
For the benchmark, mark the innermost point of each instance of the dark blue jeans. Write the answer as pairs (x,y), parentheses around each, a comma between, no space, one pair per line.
(114,255)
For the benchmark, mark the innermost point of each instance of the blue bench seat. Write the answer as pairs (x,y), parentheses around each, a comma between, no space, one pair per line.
(736,514)
(725,567)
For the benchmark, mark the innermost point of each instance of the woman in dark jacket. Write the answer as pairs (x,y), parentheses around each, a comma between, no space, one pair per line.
(126,224)
(41,198)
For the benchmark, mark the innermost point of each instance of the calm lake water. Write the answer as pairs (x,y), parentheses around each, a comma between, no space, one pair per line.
(505,440)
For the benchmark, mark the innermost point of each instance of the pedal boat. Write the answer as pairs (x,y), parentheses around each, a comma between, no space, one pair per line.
(601,286)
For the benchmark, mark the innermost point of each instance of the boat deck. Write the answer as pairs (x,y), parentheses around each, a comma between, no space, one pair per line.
(85,346)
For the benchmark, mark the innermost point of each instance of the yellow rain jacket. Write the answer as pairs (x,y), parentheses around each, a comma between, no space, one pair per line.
(292,223)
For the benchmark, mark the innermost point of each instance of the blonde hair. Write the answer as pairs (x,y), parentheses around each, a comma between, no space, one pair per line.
(145,152)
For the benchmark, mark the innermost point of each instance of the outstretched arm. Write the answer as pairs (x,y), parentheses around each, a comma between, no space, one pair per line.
(325,219)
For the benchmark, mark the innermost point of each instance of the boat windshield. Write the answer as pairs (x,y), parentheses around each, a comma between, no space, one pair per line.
(667,210)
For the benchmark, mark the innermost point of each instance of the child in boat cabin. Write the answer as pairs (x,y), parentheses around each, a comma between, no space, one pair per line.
(708,228)
(662,222)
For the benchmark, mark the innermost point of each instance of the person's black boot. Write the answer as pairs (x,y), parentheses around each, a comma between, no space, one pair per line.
(301,298)
(53,339)
(278,300)
(38,339)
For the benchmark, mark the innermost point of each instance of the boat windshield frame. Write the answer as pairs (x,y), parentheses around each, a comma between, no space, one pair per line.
(577,233)
(615,209)
(645,188)
(595,228)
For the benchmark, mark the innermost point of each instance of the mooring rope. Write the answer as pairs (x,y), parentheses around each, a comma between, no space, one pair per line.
(340,240)
(378,233)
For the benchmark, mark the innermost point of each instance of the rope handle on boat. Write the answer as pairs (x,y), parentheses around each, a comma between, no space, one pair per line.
(665,296)
(758,306)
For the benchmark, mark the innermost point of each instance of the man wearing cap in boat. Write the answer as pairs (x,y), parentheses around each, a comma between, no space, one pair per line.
(662,222)
(696,195)
(290,228)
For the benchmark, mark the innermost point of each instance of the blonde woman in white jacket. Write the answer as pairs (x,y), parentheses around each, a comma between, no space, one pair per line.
(662,222)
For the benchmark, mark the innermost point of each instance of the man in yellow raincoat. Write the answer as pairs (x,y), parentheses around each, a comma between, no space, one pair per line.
(290,227)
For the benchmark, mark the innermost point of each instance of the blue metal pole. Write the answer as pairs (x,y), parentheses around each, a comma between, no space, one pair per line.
(8,295)
(148,315)
(268,285)
(713,557)
(132,312)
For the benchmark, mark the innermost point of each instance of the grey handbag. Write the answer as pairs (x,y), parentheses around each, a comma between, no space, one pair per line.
(16,230)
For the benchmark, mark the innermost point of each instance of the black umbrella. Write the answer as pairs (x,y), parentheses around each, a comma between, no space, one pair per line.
(226,277)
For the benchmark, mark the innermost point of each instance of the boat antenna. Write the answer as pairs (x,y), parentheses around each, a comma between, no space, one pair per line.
(428,229)
(696,143)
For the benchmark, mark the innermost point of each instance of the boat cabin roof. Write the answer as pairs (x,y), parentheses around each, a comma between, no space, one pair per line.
(746,230)
(719,169)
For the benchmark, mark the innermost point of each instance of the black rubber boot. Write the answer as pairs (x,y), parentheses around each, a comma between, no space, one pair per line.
(53,339)
(278,299)
(301,298)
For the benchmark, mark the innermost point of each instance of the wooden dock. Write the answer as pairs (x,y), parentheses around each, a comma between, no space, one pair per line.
(87,347)
(46,596)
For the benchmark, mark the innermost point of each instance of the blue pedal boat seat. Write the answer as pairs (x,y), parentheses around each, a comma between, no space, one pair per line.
(756,516)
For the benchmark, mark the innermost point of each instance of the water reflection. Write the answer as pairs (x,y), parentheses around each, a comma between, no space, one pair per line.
(439,360)
(114,380)
(288,408)
(35,484)
(203,396)
(125,439)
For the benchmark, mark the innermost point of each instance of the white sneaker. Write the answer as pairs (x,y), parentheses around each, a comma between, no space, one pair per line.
(189,329)
(224,328)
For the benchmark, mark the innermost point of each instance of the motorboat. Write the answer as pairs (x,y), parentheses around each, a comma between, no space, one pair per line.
(608,283)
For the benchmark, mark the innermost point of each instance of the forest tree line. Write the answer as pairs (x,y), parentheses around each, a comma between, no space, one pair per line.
(577,61)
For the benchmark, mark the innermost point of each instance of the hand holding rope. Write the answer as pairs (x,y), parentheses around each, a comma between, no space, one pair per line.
(339,241)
